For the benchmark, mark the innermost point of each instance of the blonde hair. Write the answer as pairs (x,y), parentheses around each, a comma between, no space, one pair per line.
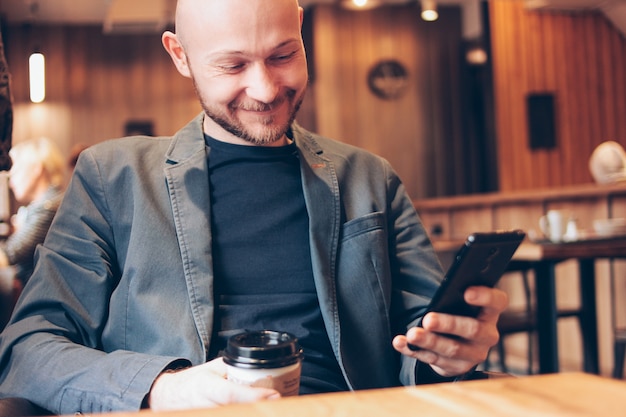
(44,151)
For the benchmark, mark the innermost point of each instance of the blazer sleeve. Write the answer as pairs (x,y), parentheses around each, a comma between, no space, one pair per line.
(51,351)
(415,268)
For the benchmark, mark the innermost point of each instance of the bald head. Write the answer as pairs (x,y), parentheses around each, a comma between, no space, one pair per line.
(195,17)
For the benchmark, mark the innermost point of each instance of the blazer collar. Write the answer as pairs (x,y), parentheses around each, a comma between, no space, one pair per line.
(187,141)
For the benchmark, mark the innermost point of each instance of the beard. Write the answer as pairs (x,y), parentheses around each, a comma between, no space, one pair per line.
(271,130)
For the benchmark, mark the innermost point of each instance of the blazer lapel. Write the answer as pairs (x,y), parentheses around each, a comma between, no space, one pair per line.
(187,178)
(321,193)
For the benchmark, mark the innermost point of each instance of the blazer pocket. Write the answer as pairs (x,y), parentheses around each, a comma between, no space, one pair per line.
(363,268)
(361,225)
(364,296)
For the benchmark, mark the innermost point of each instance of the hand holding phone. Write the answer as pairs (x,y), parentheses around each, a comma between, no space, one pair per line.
(481,261)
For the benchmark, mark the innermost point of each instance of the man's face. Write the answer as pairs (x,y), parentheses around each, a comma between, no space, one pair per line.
(247,63)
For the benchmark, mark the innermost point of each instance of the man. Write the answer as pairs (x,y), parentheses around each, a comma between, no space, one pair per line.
(163,247)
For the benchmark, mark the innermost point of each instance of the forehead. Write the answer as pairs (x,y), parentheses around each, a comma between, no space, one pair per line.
(245,26)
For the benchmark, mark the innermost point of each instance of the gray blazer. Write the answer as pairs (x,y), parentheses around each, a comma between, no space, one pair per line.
(123,283)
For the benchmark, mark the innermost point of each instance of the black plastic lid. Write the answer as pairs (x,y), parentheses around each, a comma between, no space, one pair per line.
(262,349)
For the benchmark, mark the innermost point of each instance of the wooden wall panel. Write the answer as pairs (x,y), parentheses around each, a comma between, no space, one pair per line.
(577,56)
(95,84)
(419,132)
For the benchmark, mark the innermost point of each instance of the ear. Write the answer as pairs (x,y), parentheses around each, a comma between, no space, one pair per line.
(173,47)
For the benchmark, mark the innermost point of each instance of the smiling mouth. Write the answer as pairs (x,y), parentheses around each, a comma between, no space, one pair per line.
(264,108)
(259,111)
(266,115)
(257,107)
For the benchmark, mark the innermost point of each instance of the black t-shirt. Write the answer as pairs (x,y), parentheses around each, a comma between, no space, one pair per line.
(261,255)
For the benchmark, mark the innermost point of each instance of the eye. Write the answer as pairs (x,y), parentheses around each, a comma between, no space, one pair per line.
(283,57)
(230,68)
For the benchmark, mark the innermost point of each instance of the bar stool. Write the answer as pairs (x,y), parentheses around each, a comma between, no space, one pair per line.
(619,333)
(524,320)
(619,352)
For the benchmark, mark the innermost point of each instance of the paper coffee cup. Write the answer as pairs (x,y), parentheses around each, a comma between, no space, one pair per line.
(265,358)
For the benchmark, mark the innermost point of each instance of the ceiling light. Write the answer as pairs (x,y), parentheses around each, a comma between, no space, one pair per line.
(429,10)
(37,77)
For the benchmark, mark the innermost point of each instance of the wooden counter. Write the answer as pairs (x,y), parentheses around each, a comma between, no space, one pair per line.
(454,217)
(540,195)
(565,394)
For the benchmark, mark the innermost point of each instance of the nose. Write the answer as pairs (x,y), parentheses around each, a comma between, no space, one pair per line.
(263,85)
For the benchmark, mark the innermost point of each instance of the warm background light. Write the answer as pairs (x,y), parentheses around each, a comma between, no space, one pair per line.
(37,75)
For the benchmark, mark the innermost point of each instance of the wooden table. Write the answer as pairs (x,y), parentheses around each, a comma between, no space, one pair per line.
(566,394)
(542,258)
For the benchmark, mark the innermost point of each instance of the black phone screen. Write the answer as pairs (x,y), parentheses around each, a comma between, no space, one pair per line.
(480,261)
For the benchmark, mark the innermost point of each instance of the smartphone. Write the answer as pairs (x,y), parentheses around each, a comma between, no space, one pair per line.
(480,261)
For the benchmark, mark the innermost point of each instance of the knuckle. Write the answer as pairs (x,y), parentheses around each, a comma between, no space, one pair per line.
(452,349)
(473,329)
(502,301)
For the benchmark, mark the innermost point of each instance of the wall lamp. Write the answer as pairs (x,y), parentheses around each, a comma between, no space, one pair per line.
(429,10)
(37,77)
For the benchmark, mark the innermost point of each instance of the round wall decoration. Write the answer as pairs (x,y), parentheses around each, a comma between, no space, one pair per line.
(388,79)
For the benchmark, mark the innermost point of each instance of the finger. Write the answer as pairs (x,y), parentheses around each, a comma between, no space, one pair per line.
(453,326)
(438,327)
(228,392)
(451,346)
(231,393)
(471,337)
(443,365)
(415,339)
(447,367)
(492,300)
(216,366)
(431,344)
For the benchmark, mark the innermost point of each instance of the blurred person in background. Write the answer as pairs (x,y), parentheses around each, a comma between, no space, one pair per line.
(74,153)
(36,180)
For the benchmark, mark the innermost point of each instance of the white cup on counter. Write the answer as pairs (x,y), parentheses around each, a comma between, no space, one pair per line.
(558,226)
